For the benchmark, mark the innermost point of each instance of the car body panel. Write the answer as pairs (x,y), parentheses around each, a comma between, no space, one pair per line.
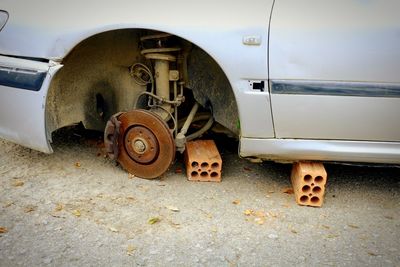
(54,35)
(312,115)
(214,27)
(22,112)
(336,42)
(341,40)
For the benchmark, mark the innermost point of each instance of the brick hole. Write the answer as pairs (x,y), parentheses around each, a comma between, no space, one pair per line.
(194,174)
(304,199)
(307,178)
(204,165)
(317,189)
(214,174)
(204,174)
(318,179)
(195,164)
(312,184)
(306,188)
(310,195)
(215,165)
(314,200)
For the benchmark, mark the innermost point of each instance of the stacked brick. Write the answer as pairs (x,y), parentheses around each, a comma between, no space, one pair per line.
(308,181)
(203,161)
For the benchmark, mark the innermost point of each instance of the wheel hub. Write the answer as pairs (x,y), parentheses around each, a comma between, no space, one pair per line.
(141,144)
(145,143)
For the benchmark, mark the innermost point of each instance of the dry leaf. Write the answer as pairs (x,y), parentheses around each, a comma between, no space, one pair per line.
(293,231)
(364,237)
(322,216)
(325,226)
(77,164)
(172,208)
(288,191)
(259,220)
(3,230)
(332,236)
(208,215)
(18,183)
(77,213)
(130,198)
(56,215)
(30,208)
(372,253)
(272,214)
(175,225)
(259,213)
(59,207)
(130,250)
(248,212)
(236,202)
(154,220)
(131,176)
(112,229)
(388,217)
(353,226)
(143,188)
(8,204)
(247,169)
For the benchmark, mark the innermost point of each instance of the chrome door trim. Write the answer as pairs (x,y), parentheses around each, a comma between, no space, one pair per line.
(304,87)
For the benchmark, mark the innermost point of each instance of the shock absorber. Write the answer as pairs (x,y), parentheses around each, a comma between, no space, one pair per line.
(162,57)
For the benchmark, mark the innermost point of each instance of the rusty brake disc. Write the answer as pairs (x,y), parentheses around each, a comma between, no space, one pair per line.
(146,147)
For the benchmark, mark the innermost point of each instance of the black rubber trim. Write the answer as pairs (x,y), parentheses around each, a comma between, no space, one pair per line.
(335,88)
(38,59)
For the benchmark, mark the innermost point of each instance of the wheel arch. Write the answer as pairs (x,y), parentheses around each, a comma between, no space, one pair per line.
(63,100)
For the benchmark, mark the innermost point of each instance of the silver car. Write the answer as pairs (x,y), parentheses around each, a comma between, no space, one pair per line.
(291,79)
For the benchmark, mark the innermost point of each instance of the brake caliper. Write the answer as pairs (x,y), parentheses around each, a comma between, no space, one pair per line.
(111,134)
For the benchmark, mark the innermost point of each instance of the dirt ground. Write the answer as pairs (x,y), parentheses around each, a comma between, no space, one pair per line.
(77,208)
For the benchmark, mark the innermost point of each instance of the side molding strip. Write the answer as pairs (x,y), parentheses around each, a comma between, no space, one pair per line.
(294,87)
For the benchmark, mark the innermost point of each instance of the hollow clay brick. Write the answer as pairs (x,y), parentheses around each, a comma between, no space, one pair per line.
(203,161)
(308,181)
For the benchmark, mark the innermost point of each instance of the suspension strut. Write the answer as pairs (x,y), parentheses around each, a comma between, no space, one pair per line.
(162,57)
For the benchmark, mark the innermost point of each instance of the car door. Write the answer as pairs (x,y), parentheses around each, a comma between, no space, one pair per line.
(335,69)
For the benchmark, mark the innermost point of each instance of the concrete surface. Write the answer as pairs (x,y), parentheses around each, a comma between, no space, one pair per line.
(76,208)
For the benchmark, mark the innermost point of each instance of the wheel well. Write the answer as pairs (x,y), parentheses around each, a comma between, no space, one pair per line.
(95,82)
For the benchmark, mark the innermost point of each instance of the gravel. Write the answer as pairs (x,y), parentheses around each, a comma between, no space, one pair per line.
(77,208)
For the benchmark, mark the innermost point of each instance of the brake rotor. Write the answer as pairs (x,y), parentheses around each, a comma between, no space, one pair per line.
(145,143)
